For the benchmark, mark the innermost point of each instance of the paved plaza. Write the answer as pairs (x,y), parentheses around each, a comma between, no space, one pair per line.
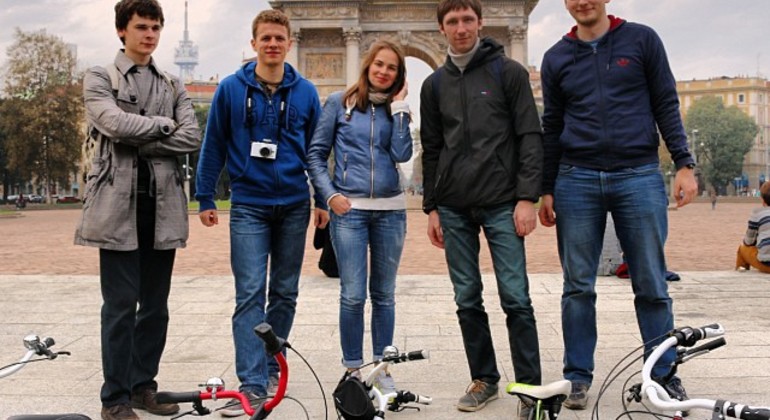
(50,287)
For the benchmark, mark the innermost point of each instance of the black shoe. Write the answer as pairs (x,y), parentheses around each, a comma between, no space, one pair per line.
(675,390)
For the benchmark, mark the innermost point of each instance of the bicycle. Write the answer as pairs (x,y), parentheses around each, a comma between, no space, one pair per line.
(687,337)
(37,347)
(543,398)
(356,398)
(215,387)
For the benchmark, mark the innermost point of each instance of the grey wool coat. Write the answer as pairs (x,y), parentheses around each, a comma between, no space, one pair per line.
(159,130)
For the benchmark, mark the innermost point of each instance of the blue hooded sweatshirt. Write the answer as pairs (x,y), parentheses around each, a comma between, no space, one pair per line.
(243,113)
(606,103)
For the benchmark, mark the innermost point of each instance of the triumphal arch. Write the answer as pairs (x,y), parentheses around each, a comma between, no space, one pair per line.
(331,36)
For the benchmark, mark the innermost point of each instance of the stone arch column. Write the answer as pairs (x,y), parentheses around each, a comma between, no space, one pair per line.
(293,56)
(352,37)
(517,36)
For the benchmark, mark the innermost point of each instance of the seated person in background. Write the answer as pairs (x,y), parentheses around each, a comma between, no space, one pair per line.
(755,250)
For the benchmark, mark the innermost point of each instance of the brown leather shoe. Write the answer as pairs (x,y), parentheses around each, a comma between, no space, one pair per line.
(145,400)
(119,412)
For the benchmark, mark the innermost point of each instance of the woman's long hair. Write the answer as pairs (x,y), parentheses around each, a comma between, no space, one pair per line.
(358,94)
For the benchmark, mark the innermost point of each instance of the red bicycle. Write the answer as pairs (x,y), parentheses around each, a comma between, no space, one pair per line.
(214,387)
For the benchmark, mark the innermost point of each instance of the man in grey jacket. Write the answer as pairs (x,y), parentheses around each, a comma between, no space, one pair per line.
(135,210)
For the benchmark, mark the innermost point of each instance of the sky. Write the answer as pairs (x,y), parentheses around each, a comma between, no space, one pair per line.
(704,38)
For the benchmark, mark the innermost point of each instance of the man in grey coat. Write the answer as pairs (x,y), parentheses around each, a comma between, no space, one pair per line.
(135,209)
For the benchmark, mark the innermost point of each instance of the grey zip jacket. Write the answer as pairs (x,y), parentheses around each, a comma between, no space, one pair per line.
(163,129)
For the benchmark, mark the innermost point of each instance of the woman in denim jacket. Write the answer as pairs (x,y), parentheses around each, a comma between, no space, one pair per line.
(367,126)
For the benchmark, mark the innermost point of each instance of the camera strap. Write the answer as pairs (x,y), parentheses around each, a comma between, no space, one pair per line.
(251,118)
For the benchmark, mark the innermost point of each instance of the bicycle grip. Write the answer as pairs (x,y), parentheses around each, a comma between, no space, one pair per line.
(710,331)
(750,413)
(418,355)
(177,397)
(265,332)
(708,346)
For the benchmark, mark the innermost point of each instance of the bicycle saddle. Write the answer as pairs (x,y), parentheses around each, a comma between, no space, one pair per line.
(540,392)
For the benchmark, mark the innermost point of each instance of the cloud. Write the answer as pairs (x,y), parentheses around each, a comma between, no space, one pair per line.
(704,38)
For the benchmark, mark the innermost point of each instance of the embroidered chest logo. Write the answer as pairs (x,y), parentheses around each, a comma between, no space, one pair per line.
(623,62)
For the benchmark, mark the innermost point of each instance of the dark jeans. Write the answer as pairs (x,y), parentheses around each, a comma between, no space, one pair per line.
(461,229)
(135,288)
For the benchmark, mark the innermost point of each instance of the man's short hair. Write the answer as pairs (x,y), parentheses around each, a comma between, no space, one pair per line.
(148,9)
(270,16)
(765,191)
(446,6)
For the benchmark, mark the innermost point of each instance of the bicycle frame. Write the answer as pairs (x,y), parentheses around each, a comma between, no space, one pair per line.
(658,396)
(392,356)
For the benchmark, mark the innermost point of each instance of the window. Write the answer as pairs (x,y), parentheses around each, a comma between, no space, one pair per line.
(741,98)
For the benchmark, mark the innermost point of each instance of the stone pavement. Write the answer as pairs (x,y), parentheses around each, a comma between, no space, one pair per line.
(49,287)
(66,307)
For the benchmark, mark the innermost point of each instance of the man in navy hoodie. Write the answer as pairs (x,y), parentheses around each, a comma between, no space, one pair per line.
(608,91)
(260,124)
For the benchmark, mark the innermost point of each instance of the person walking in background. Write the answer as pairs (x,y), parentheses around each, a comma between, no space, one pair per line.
(755,249)
(482,168)
(367,127)
(134,207)
(607,86)
(260,124)
(713,196)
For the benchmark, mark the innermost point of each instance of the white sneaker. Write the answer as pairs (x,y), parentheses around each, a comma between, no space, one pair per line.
(234,408)
(272,386)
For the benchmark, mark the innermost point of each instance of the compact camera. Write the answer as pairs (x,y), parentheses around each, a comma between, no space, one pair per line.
(264,150)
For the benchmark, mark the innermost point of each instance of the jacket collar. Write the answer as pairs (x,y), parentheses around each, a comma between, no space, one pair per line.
(615,22)
(125,64)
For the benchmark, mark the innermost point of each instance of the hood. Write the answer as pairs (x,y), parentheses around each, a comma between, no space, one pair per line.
(614,23)
(246,74)
(290,78)
(488,50)
(571,37)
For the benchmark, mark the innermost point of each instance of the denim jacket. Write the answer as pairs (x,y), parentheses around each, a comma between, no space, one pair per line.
(367,148)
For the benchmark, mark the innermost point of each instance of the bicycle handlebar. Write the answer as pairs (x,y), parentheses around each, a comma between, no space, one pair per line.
(34,346)
(406,357)
(659,397)
(273,344)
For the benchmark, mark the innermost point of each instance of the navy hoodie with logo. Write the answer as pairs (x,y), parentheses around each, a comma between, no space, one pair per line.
(605,104)
(242,113)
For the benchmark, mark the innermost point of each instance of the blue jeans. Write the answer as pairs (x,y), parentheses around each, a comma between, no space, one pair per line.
(259,234)
(636,198)
(381,235)
(461,229)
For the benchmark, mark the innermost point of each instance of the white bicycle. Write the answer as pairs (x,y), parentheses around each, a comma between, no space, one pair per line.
(686,338)
(42,348)
(361,399)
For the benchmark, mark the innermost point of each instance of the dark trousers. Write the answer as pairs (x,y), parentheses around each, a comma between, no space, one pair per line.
(461,229)
(135,288)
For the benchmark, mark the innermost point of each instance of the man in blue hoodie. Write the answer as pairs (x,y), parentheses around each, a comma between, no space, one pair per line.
(260,124)
(608,90)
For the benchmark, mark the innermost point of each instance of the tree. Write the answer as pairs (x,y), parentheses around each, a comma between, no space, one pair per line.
(724,136)
(43,112)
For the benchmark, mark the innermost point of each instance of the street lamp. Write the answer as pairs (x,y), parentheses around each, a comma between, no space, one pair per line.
(694,145)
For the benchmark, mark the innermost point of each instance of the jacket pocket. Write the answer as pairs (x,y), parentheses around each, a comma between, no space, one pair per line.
(107,211)
(171,205)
